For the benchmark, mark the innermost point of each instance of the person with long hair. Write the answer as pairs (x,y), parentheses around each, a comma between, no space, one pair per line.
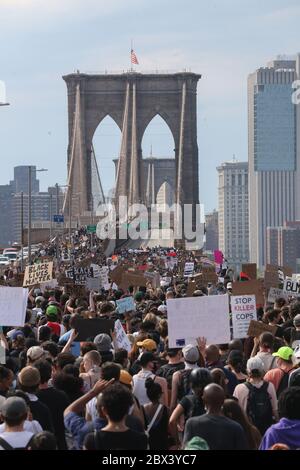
(232,410)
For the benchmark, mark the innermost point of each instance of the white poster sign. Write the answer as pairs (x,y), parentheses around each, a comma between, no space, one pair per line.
(13,304)
(122,341)
(192,317)
(243,309)
(291,287)
(189,269)
(275,294)
(125,305)
(48,285)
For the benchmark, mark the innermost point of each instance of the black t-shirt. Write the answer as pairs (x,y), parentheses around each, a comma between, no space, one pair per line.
(192,405)
(107,440)
(168,370)
(40,412)
(219,432)
(57,401)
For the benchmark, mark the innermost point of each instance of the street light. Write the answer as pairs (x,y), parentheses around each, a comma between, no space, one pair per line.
(29,209)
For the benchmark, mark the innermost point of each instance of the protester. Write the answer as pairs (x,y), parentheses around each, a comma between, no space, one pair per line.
(279,376)
(233,410)
(156,416)
(14,414)
(139,387)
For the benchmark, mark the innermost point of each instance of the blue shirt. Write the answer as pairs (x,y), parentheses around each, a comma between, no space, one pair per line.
(79,427)
(75,347)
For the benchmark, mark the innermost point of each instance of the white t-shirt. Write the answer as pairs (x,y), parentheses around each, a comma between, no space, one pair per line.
(31,426)
(91,408)
(16,439)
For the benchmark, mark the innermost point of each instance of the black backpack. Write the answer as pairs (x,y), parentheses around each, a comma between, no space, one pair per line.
(184,387)
(283,384)
(6,446)
(259,407)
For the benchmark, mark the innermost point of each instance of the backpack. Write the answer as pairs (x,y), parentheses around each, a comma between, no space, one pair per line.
(7,446)
(184,387)
(283,384)
(259,407)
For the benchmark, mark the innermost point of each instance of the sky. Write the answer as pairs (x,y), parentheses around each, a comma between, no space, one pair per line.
(223,40)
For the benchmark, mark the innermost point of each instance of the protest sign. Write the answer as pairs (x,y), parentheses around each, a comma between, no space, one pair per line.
(125,305)
(271,279)
(192,286)
(37,273)
(250,287)
(121,339)
(96,270)
(209,275)
(88,328)
(13,304)
(153,277)
(250,269)
(275,294)
(189,269)
(49,285)
(79,274)
(291,287)
(256,328)
(132,279)
(243,310)
(192,317)
(117,273)
(93,283)
(218,256)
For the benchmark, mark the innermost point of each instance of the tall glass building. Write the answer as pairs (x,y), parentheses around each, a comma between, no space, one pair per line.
(272,147)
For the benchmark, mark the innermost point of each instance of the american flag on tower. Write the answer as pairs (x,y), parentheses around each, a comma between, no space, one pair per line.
(134,58)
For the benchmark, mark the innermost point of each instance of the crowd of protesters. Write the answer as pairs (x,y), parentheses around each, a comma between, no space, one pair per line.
(59,393)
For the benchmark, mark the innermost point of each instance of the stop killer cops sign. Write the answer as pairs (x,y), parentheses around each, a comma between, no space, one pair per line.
(243,309)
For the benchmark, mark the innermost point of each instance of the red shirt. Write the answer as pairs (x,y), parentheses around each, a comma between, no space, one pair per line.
(55,327)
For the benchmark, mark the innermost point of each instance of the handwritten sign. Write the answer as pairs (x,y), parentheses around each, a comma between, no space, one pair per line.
(125,305)
(189,269)
(275,294)
(38,273)
(256,328)
(243,309)
(291,287)
(122,342)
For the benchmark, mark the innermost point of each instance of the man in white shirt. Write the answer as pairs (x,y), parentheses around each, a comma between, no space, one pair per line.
(14,413)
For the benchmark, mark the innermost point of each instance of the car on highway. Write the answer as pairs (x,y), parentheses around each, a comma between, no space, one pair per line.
(4,261)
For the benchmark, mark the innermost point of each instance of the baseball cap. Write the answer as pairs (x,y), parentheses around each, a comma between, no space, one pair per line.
(229,285)
(125,377)
(14,408)
(29,377)
(35,353)
(284,353)
(103,342)
(255,363)
(15,334)
(51,311)
(162,309)
(297,320)
(190,353)
(147,344)
(39,298)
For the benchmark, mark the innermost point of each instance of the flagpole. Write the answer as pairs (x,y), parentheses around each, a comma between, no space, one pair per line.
(131,68)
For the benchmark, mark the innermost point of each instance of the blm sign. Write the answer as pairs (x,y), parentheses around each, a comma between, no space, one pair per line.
(291,287)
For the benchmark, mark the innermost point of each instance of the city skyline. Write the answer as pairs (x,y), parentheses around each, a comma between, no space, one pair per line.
(45,43)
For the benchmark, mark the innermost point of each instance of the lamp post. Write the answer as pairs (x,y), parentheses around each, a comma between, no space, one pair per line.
(29,209)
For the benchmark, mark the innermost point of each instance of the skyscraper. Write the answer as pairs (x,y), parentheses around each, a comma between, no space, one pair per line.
(274,164)
(233,212)
(212,231)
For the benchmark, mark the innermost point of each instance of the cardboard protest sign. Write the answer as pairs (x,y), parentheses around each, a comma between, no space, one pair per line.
(48,285)
(122,341)
(256,328)
(125,305)
(209,275)
(132,279)
(13,304)
(275,294)
(192,286)
(89,328)
(271,279)
(37,273)
(117,273)
(243,310)
(250,269)
(189,269)
(154,278)
(291,287)
(251,288)
(192,317)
